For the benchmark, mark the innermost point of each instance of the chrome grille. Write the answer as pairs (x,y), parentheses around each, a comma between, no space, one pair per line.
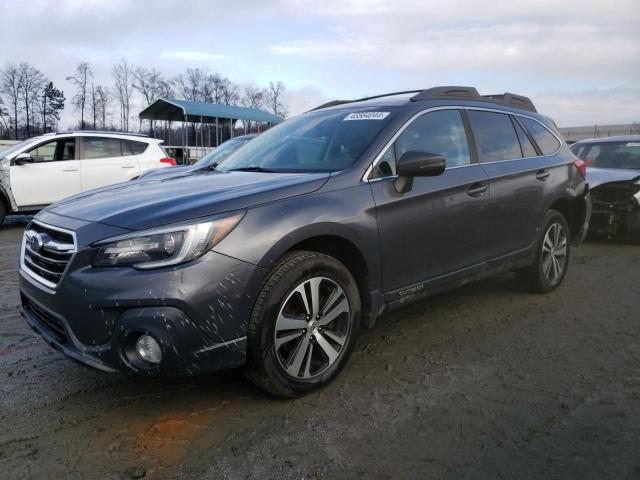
(46,252)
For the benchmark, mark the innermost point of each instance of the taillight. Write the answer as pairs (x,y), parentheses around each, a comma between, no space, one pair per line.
(170,161)
(581,167)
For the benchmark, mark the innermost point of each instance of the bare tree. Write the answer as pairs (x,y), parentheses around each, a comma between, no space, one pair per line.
(33,82)
(190,84)
(274,96)
(80,80)
(123,82)
(101,104)
(10,85)
(149,82)
(253,97)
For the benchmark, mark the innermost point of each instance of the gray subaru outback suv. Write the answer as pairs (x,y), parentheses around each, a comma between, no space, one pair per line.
(276,259)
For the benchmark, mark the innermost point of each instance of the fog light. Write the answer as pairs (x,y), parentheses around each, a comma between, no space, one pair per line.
(149,349)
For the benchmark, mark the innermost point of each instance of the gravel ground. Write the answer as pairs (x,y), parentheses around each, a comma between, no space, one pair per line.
(487,381)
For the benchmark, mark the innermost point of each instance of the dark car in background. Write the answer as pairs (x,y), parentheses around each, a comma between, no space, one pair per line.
(274,260)
(613,173)
(210,160)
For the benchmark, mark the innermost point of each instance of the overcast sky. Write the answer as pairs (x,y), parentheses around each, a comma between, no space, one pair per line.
(579,60)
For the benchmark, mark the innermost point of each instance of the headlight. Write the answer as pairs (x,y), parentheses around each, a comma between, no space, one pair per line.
(166,246)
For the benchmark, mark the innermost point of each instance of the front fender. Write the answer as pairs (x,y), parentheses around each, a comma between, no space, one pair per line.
(268,231)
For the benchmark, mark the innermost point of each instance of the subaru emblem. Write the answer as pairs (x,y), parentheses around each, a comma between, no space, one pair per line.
(36,243)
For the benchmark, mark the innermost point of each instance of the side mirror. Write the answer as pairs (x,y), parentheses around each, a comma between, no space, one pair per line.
(23,158)
(417,164)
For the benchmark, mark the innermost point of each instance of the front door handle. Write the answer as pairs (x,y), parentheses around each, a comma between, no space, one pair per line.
(476,190)
(542,174)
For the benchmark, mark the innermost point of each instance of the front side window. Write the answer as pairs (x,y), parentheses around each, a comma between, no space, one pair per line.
(441,133)
(96,147)
(544,138)
(495,136)
(324,141)
(57,150)
(625,155)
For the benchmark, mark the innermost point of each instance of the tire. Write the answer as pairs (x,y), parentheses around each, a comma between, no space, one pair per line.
(545,275)
(287,345)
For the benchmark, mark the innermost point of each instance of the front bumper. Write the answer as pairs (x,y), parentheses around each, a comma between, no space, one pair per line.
(198,312)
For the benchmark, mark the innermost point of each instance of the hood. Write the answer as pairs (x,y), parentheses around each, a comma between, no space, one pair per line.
(153,202)
(167,171)
(598,176)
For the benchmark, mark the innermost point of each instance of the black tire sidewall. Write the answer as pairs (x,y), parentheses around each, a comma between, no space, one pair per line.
(552,217)
(261,349)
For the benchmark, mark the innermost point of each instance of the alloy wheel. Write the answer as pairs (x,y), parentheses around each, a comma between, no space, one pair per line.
(312,328)
(554,253)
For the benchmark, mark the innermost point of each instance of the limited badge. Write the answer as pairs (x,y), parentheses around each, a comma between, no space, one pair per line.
(366,116)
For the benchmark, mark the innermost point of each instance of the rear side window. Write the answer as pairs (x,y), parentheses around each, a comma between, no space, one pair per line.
(528,149)
(136,147)
(495,136)
(544,138)
(95,147)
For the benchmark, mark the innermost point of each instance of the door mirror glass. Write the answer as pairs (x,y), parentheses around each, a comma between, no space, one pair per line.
(23,158)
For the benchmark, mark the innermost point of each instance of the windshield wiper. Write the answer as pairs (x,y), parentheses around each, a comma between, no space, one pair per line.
(253,168)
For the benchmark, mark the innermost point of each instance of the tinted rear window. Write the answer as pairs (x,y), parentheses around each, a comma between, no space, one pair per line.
(137,147)
(528,150)
(544,138)
(494,135)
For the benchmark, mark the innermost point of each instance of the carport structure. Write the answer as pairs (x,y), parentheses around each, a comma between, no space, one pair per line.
(224,117)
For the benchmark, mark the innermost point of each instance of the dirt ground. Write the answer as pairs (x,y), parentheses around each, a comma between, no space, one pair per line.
(487,381)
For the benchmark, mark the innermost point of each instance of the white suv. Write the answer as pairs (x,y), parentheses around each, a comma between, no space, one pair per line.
(45,169)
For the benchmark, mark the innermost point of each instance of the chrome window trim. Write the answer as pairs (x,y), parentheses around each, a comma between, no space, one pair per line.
(40,281)
(369,170)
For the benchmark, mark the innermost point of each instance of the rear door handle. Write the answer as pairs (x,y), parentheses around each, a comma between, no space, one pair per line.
(476,190)
(542,174)
(70,169)
(128,166)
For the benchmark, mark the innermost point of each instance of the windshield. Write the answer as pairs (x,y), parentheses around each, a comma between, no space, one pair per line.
(4,153)
(315,142)
(221,152)
(609,154)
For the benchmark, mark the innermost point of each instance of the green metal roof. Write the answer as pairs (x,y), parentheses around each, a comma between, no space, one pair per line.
(172,109)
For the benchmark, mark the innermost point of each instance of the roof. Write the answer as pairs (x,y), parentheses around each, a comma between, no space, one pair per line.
(172,109)
(100,132)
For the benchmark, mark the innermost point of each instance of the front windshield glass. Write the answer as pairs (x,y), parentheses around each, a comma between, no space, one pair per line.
(315,142)
(222,152)
(624,155)
(4,153)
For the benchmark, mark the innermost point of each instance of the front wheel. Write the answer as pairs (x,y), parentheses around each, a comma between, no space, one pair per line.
(303,326)
(552,255)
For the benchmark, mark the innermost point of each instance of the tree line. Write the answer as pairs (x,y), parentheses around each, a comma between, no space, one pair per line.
(30,104)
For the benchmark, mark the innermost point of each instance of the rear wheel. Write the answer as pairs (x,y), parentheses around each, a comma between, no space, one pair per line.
(552,255)
(303,326)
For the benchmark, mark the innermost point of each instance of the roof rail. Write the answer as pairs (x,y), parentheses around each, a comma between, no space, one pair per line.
(447,93)
(333,103)
(513,100)
(108,132)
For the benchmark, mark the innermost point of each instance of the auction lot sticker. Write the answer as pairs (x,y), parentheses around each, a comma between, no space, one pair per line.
(366,116)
